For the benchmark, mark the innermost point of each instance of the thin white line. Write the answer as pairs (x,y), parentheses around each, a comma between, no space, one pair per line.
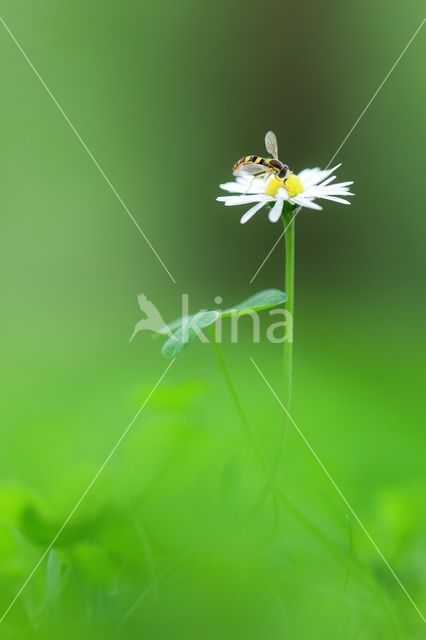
(330,478)
(149,587)
(377,91)
(86,148)
(276,244)
(86,491)
(345,139)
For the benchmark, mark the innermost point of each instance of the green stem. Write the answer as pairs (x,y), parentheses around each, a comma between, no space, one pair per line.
(289,215)
(238,404)
(289,237)
(288,220)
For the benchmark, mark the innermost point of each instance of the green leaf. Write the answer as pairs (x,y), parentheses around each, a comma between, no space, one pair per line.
(172,326)
(53,578)
(41,529)
(258,302)
(187,329)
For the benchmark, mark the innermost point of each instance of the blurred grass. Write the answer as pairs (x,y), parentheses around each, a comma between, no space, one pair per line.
(167,516)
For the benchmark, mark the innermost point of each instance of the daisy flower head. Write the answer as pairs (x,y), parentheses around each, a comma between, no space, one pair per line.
(267,182)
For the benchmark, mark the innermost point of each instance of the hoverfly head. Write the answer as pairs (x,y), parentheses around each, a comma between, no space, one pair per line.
(284,171)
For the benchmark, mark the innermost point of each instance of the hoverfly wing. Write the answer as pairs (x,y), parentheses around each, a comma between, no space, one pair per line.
(250,168)
(271,144)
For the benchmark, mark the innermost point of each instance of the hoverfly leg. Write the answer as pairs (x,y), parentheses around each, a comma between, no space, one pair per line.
(250,186)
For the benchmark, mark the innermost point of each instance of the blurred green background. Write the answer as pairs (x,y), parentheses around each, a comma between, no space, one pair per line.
(167,96)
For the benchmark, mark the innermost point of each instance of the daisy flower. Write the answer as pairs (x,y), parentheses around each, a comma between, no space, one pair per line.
(276,186)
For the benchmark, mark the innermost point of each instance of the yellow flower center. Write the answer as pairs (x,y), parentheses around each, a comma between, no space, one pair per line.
(293,185)
(273,185)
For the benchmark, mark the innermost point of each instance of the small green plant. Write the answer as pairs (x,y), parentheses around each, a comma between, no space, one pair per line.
(187,329)
(265,183)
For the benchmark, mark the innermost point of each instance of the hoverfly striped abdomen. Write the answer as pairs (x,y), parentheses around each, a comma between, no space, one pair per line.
(249,160)
(258,160)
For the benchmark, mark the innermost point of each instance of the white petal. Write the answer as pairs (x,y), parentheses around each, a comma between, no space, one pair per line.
(233,187)
(310,177)
(334,199)
(340,184)
(282,193)
(329,187)
(330,171)
(307,176)
(318,192)
(275,213)
(334,192)
(244,185)
(231,201)
(325,182)
(304,202)
(250,213)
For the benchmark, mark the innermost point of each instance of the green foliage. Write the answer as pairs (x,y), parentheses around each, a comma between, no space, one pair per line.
(41,529)
(173,554)
(53,579)
(230,486)
(187,329)
(266,299)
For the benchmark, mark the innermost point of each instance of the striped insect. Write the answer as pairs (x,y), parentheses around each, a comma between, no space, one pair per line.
(258,166)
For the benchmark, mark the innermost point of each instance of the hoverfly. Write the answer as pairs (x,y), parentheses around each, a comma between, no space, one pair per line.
(258,166)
